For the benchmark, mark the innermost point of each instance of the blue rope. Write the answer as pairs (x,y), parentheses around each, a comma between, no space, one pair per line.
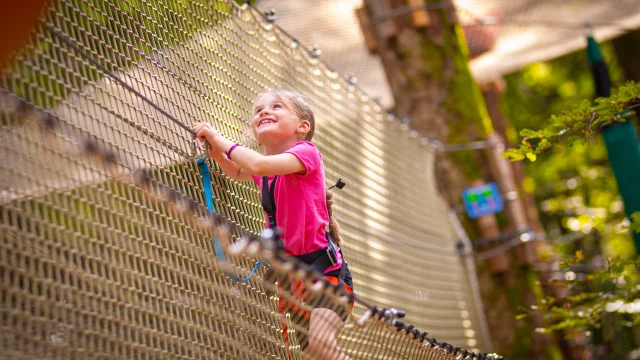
(208,196)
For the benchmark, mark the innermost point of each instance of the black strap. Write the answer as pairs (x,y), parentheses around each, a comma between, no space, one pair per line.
(268,200)
(320,260)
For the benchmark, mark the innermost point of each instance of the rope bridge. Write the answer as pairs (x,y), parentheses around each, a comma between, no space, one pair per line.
(106,248)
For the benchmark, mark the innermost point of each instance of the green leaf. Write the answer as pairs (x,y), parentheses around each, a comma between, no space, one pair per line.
(544,143)
(635,222)
(585,104)
(531,156)
(513,154)
(530,134)
(579,142)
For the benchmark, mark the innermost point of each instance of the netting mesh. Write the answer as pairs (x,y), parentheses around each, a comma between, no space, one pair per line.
(95,263)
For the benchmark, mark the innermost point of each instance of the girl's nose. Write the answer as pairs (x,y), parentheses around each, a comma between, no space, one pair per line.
(265,110)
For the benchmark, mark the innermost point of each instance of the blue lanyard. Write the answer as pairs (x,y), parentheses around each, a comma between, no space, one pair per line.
(208,196)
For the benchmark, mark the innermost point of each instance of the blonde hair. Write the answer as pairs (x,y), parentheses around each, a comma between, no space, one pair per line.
(299,105)
(334,229)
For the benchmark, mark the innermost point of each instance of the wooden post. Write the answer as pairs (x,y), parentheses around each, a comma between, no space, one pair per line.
(502,171)
(384,29)
(503,174)
(488,228)
(367,30)
(419,18)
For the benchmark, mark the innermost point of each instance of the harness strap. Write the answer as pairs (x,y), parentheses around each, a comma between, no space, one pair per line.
(268,199)
(208,197)
(320,261)
(343,267)
(206,183)
(343,271)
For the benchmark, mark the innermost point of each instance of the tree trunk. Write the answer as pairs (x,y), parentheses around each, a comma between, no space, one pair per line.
(520,205)
(432,87)
(627,48)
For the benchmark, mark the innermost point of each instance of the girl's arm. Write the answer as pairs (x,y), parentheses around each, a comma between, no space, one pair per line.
(205,132)
(254,163)
(230,168)
(246,162)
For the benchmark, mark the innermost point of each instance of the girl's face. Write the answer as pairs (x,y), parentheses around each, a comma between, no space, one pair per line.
(273,122)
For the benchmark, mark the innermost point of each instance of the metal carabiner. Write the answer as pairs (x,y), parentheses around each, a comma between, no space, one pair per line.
(197,149)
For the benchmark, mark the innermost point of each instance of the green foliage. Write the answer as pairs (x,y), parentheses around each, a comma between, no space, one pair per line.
(574,126)
(635,222)
(577,194)
(616,291)
(573,185)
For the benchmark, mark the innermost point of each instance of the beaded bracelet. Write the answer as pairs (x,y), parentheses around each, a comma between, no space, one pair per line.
(228,152)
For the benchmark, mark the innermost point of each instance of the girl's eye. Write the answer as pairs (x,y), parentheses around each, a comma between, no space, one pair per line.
(258,110)
(277,106)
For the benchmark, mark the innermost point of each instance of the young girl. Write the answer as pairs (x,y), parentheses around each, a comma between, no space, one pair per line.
(290,175)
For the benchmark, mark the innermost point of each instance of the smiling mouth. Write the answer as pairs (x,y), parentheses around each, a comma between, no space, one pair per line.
(266,121)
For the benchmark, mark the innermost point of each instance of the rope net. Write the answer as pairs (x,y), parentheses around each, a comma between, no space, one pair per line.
(106,249)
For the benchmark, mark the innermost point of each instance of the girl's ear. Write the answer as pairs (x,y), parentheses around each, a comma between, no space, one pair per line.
(304,126)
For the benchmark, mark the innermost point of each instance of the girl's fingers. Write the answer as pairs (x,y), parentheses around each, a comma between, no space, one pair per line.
(202,130)
(198,127)
(201,135)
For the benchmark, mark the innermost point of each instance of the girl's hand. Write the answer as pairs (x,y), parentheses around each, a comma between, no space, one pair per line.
(217,143)
(205,132)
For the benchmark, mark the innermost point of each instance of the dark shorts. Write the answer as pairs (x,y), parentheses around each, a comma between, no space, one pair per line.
(300,316)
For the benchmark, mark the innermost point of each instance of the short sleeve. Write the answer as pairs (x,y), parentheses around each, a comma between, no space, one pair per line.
(308,154)
(257,180)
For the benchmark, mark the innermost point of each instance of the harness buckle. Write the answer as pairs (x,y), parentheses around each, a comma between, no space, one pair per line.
(332,256)
(332,251)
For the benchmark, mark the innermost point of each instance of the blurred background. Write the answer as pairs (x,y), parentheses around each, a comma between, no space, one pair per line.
(557,261)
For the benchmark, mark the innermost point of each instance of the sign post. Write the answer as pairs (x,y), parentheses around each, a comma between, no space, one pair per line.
(482,200)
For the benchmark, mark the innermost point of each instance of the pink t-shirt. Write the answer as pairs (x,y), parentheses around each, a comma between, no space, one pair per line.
(301,204)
